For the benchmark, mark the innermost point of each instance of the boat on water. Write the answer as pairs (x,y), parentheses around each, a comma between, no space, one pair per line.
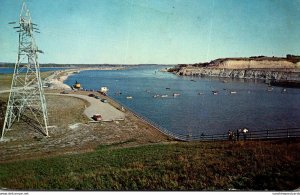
(164,96)
(270,89)
(176,94)
(283,90)
(77,85)
(200,93)
(233,92)
(129,97)
(156,96)
(215,92)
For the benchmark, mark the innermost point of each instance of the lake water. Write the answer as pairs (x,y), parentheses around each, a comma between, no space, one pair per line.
(11,70)
(190,113)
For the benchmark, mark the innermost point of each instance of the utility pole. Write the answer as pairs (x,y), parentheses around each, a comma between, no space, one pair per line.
(26,99)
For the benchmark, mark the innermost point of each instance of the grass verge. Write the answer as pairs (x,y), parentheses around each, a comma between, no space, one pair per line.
(272,165)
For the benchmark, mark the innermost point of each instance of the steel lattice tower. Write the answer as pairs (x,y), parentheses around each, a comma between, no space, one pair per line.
(26,99)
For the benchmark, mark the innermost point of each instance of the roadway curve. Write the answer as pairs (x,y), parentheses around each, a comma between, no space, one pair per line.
(107,111)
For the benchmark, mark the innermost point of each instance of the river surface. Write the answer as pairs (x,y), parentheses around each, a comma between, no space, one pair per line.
(197,110)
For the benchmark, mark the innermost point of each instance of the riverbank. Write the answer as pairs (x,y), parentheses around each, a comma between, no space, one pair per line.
(70,128)
(72,133)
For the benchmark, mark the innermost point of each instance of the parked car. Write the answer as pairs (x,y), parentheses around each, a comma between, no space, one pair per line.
(97,117)
(64,92)
(104,100)
(97,97)
(91,95)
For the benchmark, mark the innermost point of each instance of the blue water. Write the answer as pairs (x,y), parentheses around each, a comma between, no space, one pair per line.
(11,70)
(190,113)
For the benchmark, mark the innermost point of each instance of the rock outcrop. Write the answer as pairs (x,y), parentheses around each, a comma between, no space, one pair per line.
(245,68)
(277,74)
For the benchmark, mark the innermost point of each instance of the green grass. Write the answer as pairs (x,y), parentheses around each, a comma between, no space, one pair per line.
(5,79)
(181,166)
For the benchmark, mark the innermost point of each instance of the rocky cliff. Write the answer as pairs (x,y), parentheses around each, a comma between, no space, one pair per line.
(245,68)
(277,74)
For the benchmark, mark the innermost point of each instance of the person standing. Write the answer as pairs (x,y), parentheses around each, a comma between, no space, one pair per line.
(245,132)
(238,132)
(229,135)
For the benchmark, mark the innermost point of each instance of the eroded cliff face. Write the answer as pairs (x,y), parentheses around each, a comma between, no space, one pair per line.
(245,68)
(279,74)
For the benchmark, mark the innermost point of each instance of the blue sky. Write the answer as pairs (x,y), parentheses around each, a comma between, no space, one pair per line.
(154,31)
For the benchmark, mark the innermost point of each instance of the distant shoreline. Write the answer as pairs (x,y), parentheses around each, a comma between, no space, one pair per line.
(11,65)
(56,80)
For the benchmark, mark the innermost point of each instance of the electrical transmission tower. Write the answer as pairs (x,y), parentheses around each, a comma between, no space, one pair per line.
(26,99)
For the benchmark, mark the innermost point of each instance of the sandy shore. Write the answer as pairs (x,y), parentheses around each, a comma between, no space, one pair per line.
(56,80)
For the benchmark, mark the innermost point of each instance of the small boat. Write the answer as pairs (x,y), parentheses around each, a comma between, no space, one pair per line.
(193,80)
(156,96)
(200,93)
(283,90)
(215,92)
(270,89)
(129,97)
(164,96)
(168,88)
(77,85)
(176,94)
(232,92)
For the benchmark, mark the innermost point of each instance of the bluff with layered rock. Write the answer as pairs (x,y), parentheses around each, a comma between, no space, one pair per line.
(245,68)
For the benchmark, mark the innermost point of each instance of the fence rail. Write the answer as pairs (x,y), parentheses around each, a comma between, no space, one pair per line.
(251,135)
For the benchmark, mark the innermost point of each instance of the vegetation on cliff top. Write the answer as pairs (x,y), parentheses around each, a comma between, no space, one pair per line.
(290,58)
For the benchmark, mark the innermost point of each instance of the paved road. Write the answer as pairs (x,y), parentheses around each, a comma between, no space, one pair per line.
(107,111)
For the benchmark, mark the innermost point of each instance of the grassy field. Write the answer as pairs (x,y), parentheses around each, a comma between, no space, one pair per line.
(174,166)
(5,79)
